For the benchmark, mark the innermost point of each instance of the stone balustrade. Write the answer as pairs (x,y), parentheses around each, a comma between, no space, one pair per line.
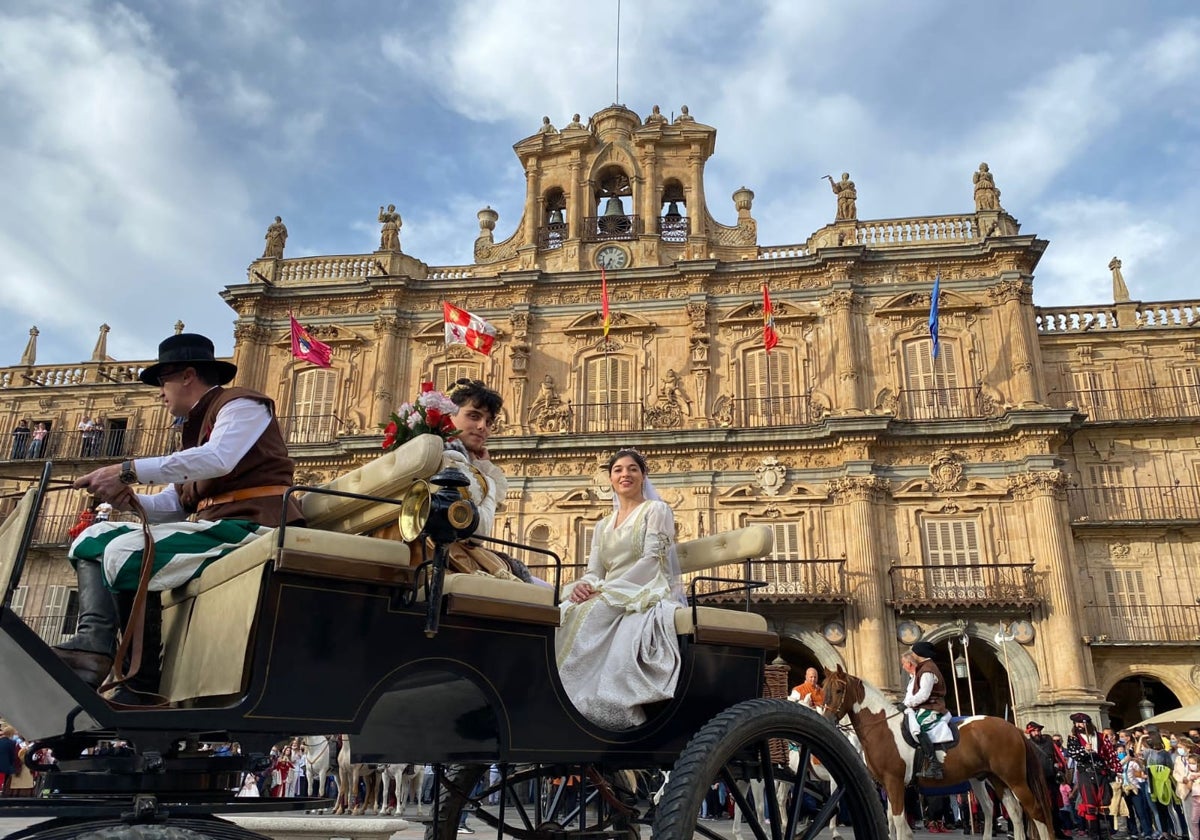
(782,252)
(1167,315)
(451,272)
(62,376)
(308,269)
(929,230)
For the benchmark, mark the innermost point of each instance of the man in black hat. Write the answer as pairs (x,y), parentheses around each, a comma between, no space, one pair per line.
(1096,764)
(230,475)
(925,698)
(1054,766)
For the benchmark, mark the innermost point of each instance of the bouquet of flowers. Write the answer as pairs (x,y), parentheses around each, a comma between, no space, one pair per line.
(430,413)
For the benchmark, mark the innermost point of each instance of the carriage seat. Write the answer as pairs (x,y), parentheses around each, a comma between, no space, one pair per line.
(718,625)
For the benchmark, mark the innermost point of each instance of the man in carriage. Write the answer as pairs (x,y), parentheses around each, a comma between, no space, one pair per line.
(926,714)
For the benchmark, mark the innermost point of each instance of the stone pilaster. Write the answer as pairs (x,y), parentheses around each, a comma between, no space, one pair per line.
(387,330)
(871,640)
(839,307)
(1015,295)
(1042,492)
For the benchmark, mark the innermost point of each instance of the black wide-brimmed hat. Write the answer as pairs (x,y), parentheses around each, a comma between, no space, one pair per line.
(924,649)
(187,350)
(1032,725)
(1080,717)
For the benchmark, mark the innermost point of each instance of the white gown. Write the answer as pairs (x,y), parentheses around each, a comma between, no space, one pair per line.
(618,651)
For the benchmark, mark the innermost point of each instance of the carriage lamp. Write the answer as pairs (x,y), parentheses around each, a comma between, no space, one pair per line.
(452,516)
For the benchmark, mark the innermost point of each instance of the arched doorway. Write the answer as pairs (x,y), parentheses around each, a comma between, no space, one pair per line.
(978,679)
(799,659)
(1138,697)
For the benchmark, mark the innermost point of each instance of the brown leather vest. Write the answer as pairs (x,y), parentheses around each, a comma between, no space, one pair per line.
(265,464)
(937,698)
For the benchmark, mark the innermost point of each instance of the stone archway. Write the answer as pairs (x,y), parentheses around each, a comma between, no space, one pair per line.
(801,647)
(1127,696)
(1004,667)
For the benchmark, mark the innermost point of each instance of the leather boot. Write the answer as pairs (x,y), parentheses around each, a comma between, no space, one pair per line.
(138,691)
(933,767)
(90,651)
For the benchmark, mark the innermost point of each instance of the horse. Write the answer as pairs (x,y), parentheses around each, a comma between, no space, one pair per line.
(408,778)
(989,748)
(316,748)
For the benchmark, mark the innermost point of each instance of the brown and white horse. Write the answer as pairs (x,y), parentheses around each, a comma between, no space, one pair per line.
(989,749)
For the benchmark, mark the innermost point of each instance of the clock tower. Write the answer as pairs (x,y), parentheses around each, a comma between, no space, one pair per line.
(619,192)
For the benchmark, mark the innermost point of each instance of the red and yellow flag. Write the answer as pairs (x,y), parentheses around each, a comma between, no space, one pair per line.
(604,319)
(770,337)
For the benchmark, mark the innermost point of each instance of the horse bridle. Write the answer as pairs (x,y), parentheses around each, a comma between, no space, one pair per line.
(843,712)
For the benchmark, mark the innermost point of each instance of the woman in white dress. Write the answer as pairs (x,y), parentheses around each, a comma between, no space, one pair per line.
(616,646)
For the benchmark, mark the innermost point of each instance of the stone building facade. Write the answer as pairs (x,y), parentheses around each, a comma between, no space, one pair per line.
(1028,500)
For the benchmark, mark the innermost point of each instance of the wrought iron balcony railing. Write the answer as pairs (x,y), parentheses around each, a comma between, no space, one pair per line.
(53,629)
(1146,624)
(1168,402)
(106,445)
(674,229)
(990,585)
(788,581)
(944,404)
(607,417)
(611,228)
(1134,504)
(755,412)
(551,237)
(300,429)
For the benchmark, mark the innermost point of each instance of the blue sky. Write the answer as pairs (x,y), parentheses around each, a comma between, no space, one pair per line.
(145,146)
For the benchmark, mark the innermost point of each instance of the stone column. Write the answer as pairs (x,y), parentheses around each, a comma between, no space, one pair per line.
(698,341)
(838,307)
(871,640)
(251,356)
(519,353)
(1014,295)
(1060,629)
(387,329)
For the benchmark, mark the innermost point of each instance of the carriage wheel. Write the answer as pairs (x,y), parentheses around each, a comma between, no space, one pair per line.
(179,828)
(735,747)
(616,803)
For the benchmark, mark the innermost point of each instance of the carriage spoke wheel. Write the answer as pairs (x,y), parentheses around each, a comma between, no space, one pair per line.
(539,805)
(736,748)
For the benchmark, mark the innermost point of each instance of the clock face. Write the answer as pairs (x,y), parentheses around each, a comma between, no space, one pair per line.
(612,257)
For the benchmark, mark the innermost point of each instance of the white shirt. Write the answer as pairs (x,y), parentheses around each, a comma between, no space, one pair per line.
(238,425)
(919,692)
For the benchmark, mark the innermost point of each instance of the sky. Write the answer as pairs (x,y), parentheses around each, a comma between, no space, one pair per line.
(145,146)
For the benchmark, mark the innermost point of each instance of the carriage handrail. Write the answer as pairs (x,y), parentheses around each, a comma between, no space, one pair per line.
(557,560)
(743,586)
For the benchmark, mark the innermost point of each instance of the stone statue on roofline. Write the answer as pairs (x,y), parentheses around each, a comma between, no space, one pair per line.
(276,238)
(547,128)
(389,236)
(987,197)
(847,198)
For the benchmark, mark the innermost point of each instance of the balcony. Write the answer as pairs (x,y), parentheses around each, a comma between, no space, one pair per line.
(606,417)
(1136,405)
(674,229)
(310,429)
(941,588)
(51,530)
(611,228)
(1142,624)
(551,237)
(788,582)
(53,629)
(109,445)
(944,404)
(1134,504)
(757,412)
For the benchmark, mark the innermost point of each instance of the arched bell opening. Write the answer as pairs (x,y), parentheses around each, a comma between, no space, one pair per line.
(612,218)
(674,223)
(553,230)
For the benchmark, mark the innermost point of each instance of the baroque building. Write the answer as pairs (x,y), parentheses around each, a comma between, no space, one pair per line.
(1027,498)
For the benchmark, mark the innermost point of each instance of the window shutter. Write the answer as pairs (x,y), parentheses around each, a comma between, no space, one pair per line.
(953,555)
(783,571)
(313,407)
(609,403)
(18,600)
(447,373)
(56,601)
(784,407)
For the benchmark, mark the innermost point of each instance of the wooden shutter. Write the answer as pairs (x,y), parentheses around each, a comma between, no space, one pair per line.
(312,419)
(609,402)
(18,600)
(783,571)
(778,404)
(446,374)
(56,600)
(931,385)
(1091,393)
(1187,387)
(952,552)
(583,543)
(1107,493)
(1127,612)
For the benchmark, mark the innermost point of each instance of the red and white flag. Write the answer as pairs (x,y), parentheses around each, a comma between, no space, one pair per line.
(770,335)
(464,328)
(304,346)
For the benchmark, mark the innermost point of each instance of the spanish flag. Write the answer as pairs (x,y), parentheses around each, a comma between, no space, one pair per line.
(464,328)
(770,337)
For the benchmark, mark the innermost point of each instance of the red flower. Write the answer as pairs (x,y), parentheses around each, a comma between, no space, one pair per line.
(426,387)
(433,417)
(389,435)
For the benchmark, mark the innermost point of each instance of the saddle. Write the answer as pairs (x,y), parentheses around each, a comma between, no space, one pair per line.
(944,746)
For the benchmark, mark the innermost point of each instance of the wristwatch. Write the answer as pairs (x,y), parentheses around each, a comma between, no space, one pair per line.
(128,473)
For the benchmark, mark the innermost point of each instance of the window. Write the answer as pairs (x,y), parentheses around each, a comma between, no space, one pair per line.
(953,556)
(446,374)
(1091,393)
(931,389)
(1126,611)
(58,622)
(1187,387)
(772,393)
(312,419)
(1106,494)
(18,600)
(583,543)
(784,572)
(609,404)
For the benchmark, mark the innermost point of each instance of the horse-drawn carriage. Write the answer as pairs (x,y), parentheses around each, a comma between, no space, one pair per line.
(323,629)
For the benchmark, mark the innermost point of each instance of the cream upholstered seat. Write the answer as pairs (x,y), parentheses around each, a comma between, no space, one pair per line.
(719,550)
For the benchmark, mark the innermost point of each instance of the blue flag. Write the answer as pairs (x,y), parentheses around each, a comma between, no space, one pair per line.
(933,312)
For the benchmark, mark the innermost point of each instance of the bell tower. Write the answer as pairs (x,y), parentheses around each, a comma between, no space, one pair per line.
(618,193)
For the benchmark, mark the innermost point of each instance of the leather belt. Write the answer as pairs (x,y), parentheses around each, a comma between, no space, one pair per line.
(242,495)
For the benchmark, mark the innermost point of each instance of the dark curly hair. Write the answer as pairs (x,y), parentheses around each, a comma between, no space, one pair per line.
(638,457)
(465,391)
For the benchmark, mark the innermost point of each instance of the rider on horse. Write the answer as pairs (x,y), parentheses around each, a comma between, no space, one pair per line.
(925,699)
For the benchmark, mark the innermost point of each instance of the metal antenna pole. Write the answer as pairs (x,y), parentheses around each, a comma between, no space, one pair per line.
(617,71)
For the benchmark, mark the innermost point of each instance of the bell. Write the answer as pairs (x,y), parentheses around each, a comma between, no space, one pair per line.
(613,207)
(556,217)
(673,214)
